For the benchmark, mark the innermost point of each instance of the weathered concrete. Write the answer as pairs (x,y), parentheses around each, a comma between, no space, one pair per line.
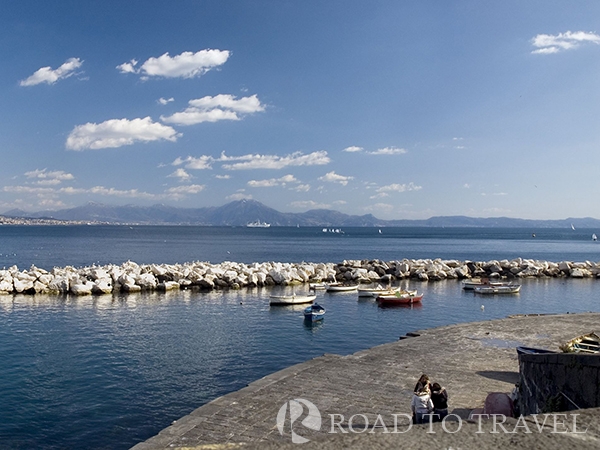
(470,360)
(558,382)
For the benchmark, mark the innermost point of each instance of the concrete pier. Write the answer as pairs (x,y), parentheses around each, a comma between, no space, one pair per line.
(470,360)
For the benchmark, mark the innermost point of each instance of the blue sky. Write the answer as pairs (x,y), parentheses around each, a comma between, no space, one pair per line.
(401,109)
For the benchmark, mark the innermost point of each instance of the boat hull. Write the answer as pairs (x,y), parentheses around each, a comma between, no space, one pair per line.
(492,290)
(475,283)
(314,313)
(341,288)
(388,300)
(281,300)
(374,292)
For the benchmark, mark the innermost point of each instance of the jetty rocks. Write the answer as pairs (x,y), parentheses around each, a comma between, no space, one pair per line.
(132,277)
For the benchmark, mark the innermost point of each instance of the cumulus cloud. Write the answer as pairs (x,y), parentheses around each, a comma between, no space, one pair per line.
(184,65)
(273,181)
(276,162)
(164,101)
(399,188)
(190,162)
(181,174)
(301,188)
(388,151)
(333,177)
(250,161)
(117,133)
(52,193)
(214,109)
(547,43)
(353,149)
(223,177)
(51,76)
(45,177)
(181,191)
(239,196)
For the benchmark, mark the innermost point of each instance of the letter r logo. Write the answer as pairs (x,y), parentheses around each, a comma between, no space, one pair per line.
(296,407)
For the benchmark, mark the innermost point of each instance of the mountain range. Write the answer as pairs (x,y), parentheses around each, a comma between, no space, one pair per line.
(241,212)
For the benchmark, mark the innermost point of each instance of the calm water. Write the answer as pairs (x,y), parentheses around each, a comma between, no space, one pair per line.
(110,371)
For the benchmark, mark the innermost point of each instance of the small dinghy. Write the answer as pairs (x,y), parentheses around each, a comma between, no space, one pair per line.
(314,312)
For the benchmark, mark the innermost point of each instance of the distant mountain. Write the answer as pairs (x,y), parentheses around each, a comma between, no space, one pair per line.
(239,213)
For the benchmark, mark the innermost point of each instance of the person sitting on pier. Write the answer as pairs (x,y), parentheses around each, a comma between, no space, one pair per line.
(439,398)
(421,404)
(423,382)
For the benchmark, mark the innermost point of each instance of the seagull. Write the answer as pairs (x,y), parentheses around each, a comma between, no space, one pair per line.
(482,307)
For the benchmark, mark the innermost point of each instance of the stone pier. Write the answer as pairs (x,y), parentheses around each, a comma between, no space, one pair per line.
(371,386)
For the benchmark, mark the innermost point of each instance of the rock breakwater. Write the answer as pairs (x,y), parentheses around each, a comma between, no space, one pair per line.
(133,277)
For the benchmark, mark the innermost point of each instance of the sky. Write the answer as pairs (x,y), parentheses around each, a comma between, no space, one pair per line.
(400,109)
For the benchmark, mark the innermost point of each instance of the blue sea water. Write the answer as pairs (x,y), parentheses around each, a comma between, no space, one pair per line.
(110,371)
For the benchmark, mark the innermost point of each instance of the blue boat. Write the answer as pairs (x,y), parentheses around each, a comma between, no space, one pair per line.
(314,312)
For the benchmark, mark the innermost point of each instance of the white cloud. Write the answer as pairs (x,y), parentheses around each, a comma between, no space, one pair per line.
(182,191)
(353,149)
(250,161)
(164,101)
(117,133)
(301,188)
(380,195)
(389,151)
(273,181)
(333,177)
(275,161)
(200,163)
(214,109)
(44,177)
(309,204)
(547,43)
(128,67)
(399,188)
(181,174)
(184,65)
(223,177)
(50,76)
(239,196)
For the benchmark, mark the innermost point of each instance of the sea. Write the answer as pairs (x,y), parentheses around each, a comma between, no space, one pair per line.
(107,372)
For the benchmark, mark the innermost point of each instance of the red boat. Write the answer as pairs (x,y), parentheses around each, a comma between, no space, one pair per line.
(399,299)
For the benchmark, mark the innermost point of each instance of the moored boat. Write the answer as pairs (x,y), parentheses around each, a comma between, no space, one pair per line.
(374,291)
(479,282)
(291,299)
(314,312)
(317,286)
(339,287)
(503,289)
(586,343)
(400,298)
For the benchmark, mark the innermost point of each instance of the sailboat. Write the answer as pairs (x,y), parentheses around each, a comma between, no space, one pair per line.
(572,227)
(594,237)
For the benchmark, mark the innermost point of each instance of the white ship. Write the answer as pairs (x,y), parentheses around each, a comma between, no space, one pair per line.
(258,224)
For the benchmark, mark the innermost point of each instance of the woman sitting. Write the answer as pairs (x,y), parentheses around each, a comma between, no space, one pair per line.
(439,398)
(421,404)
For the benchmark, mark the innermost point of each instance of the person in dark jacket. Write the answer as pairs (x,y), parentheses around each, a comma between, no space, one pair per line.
(439,398)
